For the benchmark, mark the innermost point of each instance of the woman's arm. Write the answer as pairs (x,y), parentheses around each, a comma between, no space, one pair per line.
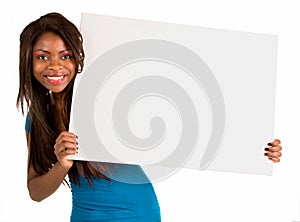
(42,186)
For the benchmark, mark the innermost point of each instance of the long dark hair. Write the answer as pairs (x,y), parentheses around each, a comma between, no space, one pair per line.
(34,95)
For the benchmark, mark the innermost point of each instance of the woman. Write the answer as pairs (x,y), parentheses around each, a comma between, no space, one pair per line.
(51,55)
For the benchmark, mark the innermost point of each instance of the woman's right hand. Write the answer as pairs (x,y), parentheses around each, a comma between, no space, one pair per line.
(65,145)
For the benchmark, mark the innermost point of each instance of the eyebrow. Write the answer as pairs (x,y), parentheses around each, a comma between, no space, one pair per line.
(45,51)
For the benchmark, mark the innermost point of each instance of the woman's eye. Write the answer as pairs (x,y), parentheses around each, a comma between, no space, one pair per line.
(42,58)
(67,57)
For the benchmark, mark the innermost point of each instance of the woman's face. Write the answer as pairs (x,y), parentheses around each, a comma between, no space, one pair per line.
(53,62)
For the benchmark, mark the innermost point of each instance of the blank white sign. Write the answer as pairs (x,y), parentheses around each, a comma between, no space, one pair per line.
(167,96)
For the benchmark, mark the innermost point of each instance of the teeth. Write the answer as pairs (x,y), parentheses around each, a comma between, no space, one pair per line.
(55,77)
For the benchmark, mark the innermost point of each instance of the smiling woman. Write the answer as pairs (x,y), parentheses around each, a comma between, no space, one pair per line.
(51,55)
(53,63)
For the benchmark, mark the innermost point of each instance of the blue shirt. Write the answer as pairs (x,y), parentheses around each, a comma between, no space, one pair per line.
(115,200)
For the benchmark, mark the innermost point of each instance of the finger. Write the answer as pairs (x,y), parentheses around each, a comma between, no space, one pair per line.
(70,151)
(274,154)
(64,146)
(273,148)
(274,159)
(275,142)
(71,138)
(64,153)
(64,150)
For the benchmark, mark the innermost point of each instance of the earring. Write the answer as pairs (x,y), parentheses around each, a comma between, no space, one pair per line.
(51,97)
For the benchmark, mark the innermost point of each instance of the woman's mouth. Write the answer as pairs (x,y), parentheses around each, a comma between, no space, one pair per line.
(55,79)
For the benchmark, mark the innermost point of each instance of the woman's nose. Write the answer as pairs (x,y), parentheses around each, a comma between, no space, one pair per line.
(55,64)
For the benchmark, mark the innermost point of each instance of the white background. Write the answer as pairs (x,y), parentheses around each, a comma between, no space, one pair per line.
(189,195)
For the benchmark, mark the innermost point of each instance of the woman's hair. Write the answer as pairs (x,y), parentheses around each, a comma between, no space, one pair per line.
(35,96)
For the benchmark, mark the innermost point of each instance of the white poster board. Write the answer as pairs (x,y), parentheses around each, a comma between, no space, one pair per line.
(167,96)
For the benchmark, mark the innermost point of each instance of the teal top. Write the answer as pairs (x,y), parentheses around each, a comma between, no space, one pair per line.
(114,201)
(124,198)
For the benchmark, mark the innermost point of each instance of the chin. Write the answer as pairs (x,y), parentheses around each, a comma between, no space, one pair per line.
(57,90)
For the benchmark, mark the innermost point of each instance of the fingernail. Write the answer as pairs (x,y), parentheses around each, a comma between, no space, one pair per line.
(76,143)
(270,158)
(266,154)
(76,136)
(269,144)
(267,149)
(77,147)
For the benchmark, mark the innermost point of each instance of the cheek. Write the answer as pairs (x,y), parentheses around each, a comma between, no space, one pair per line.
(72,67)
(36,71)
(37,67)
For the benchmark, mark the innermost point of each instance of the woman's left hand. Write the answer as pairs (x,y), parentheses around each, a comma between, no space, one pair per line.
(273,150)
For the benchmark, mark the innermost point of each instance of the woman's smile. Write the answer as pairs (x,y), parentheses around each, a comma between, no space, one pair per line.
(55,79)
